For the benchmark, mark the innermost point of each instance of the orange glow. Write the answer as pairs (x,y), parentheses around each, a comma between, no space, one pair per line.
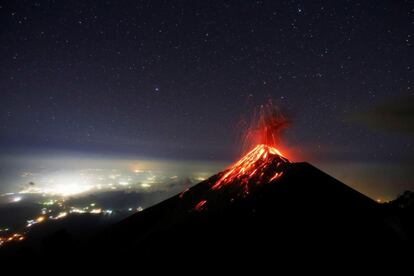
(200,205)
(264,127)
(276,176)
(12,238)
(253,166)
(264,163)
(40,219)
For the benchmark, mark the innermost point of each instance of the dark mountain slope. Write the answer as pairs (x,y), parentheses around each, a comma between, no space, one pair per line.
(303,210)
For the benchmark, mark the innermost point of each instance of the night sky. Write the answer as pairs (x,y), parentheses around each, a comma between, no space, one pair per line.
(171,80)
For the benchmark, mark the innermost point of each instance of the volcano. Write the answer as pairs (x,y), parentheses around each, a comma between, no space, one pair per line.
(262,203)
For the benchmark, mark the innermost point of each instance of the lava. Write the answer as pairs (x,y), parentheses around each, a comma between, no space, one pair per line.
(200,205)
(263,127)
(276,176)
(264,163)
(254,167)
(261,164)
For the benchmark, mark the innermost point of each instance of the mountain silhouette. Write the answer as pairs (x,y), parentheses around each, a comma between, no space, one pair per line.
(263,209)
(263,203)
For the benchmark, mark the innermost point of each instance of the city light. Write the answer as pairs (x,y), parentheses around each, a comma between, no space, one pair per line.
(96,211)
(16,199)
(54,192)
(40,219)
(61,215)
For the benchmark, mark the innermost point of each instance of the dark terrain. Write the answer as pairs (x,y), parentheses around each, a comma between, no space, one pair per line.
(304,213)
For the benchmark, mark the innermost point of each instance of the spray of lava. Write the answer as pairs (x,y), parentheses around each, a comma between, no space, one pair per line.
(264,127)
(263,163)
(262,133)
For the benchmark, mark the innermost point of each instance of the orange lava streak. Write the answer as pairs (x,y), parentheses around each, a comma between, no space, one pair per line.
(276,176)
(200,205)
(253,164)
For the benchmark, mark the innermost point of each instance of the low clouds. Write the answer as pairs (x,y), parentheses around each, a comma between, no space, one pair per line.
(394,115)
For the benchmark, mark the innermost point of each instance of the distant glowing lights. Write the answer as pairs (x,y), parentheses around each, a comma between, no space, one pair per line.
(69,189)
(13,237)
(17,199)
(96,211)
(40,219)
(61,215)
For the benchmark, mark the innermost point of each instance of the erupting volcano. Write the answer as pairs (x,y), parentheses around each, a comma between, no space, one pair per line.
(264,162)
(261,165)
(260,203)
(264,127)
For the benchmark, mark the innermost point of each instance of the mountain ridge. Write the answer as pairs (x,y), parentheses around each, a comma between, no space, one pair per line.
(287,213)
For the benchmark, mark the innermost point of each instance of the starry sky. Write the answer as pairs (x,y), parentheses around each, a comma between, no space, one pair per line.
(171,79)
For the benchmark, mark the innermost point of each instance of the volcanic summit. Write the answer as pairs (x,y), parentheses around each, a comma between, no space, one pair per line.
(262,202)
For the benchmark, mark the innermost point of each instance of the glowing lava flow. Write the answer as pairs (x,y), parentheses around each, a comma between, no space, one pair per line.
(200,205)
(254,167)
(263,164)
